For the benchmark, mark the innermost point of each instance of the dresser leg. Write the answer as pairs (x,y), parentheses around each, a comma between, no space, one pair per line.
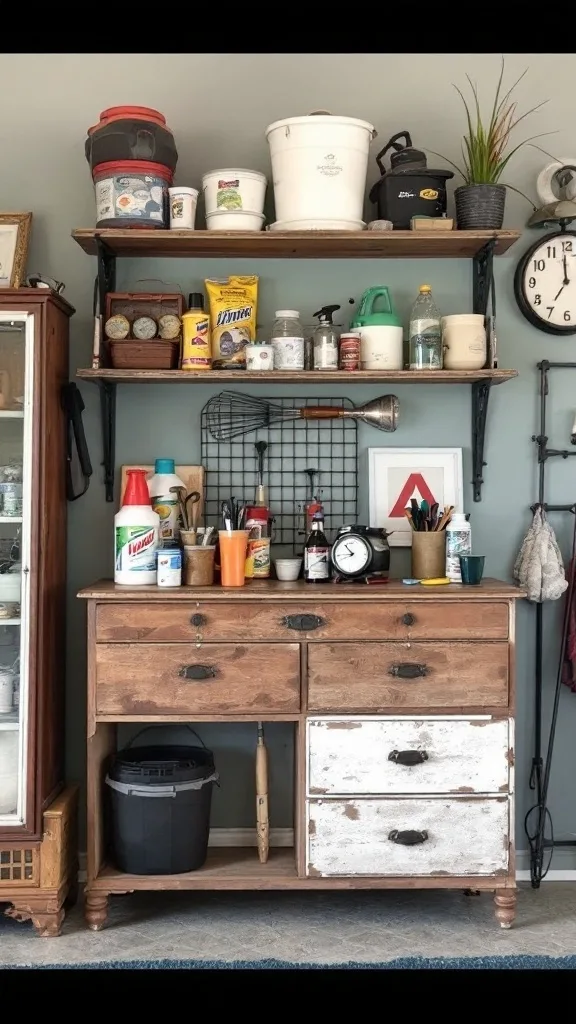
(96,910)
(505,900)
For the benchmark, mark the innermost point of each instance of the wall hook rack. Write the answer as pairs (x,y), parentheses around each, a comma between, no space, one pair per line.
(541,768)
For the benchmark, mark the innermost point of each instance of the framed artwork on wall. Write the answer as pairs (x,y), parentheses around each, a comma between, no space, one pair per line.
(14,240)
(395,475)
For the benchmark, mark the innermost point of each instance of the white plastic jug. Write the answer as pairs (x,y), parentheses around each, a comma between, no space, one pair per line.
(319,165)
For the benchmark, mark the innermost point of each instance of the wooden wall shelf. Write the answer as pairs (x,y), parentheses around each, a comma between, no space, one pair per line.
(299,377)
(344,245)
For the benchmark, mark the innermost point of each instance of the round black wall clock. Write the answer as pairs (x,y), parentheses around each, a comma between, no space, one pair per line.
(545,283)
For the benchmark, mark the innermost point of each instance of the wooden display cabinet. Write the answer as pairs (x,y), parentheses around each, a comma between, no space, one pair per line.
(38,850)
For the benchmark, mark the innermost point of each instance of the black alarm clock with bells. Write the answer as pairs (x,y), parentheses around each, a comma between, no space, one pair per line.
(360,553)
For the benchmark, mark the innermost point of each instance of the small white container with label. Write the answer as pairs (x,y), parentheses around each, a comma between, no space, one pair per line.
(259,356)
(458,542)
(183,208)
(288,340)
(6,691)
(169,571)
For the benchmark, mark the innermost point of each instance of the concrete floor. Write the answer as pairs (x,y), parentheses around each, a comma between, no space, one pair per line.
(315,927)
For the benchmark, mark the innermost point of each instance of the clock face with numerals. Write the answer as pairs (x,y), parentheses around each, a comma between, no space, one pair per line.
(545,284)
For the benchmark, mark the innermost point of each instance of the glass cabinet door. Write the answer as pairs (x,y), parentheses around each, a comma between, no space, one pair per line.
(16,425)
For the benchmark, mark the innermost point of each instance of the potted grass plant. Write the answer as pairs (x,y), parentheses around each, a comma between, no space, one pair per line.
(487,148)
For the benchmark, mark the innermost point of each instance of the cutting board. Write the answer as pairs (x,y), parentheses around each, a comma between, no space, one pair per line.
(192,476)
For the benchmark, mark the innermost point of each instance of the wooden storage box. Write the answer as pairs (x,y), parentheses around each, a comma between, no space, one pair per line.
(144,355)
(130,353)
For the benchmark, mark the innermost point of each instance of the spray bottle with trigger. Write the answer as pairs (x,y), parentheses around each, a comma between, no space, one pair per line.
(325,340)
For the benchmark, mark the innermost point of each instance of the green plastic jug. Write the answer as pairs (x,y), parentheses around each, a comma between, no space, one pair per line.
(366,315)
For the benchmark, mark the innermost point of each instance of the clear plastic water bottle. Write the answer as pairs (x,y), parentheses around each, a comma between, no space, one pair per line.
(425,332)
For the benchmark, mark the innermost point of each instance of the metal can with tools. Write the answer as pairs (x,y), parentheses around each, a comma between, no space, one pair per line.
(350,351)
(169,567)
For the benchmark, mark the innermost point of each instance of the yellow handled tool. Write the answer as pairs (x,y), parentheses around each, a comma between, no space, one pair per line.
(262,821)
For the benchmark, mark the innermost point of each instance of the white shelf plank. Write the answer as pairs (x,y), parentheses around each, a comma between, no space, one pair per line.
(10,519)
(10,622)
(10,722)
(11,414)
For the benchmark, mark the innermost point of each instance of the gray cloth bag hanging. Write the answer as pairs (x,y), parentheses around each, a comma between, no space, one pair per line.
(539,568)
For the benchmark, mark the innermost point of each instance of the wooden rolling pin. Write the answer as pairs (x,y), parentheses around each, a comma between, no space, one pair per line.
(262,822)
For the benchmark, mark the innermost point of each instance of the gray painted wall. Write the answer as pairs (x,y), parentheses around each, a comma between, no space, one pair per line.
(218,106)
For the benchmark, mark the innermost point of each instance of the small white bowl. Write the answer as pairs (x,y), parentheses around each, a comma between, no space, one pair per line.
(288,568)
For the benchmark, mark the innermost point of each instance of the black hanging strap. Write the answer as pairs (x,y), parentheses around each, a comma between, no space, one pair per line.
(78,465)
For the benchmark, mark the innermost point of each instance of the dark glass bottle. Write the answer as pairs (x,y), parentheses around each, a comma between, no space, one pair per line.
(317,553)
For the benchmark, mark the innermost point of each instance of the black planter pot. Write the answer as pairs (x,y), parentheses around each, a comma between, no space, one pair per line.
(479,207)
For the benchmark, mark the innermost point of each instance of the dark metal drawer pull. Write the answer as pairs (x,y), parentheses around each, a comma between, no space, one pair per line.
(408,757)
(408,670)
(408,838)
(408,619)
(303,623)
(196,672)
(198,620)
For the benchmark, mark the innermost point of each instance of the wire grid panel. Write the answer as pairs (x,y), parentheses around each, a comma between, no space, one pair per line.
(328,446)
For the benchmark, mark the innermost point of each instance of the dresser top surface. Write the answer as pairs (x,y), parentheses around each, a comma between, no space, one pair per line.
(261,590)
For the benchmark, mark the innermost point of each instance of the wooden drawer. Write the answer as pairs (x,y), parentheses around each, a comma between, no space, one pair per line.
(181,679)
(463,836)
(352,755)
(270,620)
(376,676)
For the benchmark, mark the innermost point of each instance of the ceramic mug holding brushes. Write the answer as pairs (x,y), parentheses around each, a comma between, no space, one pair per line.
(199,565)
(428,555)
(428,539)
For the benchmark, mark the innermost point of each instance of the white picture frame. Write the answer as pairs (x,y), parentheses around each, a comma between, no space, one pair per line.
(390,486)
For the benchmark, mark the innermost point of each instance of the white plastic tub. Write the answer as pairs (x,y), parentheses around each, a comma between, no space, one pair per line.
(9,741)
(234,220)
(319,165)
(233,189)
(10,587)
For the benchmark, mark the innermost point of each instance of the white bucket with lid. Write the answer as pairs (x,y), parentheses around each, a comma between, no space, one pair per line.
(319,165)
(232,189)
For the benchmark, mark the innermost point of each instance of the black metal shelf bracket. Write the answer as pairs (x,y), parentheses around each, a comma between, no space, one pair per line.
(480,395)
(482,288)
(107,283)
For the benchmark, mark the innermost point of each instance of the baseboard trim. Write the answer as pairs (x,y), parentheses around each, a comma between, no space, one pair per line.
(565,871)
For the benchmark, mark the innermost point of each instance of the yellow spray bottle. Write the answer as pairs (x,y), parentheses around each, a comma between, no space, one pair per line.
(196,351)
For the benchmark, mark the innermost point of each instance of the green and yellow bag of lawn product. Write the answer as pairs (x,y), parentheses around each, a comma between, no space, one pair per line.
(232,305)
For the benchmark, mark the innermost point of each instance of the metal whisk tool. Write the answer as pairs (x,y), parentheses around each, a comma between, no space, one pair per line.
(232,414)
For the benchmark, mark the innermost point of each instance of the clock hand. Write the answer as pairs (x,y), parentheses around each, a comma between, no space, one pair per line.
(559,293)
(566,278)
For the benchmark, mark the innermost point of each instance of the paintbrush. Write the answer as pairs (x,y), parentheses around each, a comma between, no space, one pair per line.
(408,515)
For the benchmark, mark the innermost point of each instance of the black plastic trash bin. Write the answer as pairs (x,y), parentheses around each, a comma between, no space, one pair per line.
(160,808)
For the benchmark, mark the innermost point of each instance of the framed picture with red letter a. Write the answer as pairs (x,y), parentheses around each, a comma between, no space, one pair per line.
(395,475)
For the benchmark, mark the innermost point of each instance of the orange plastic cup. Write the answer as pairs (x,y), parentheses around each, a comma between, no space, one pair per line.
(232,557)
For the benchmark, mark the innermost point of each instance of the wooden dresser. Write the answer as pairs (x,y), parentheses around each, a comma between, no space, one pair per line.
(402,700)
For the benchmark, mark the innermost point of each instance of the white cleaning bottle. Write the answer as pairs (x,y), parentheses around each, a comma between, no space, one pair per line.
(165,502)
(136,531)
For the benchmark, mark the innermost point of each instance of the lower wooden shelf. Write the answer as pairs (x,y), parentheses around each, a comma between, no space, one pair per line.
(239,868)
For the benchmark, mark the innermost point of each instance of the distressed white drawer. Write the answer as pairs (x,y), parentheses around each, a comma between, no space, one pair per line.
(373,755)
(460,836)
